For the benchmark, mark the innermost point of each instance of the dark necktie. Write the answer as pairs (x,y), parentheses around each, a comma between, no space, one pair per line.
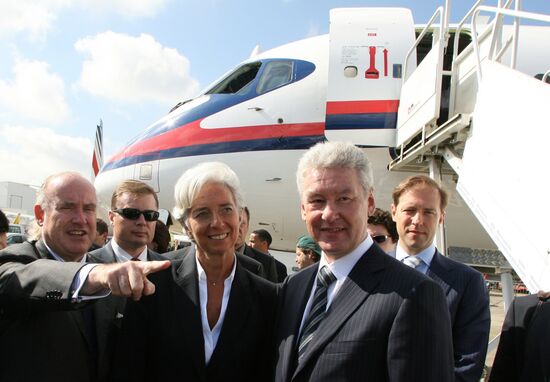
(318,309)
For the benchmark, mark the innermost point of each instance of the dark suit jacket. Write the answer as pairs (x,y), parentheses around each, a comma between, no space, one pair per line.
(468,302)
(281,271)
(109,312)
(42,336)
(386,323)
(268,262)
(162,333)
(248,263)
(523,352)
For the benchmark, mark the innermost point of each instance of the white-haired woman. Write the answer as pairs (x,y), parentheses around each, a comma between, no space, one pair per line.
(209,319)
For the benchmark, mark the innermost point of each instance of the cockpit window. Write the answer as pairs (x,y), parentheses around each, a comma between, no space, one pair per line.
(275,74)
(237,81)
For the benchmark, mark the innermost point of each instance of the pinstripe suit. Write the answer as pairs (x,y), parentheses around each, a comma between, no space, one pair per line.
(386,323)
(468,303)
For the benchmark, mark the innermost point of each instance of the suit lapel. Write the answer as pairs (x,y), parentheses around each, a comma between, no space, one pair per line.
(238,309)
(189,313)
(362,281)
(439,271)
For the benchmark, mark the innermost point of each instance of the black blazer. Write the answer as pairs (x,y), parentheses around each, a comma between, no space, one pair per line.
(523,353)
(468,302)
(267,261)
(108,312)
(42,335)
(386,323)
(162,333)
(248,263)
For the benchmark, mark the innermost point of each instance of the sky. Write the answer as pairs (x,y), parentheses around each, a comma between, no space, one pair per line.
(66,64)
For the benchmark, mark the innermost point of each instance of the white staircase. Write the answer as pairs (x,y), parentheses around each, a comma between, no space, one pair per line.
(494,139)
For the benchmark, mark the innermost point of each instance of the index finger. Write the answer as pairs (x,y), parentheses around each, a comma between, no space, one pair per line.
(153,266)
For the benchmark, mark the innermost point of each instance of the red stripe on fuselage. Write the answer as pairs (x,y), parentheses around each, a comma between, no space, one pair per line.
(362,107)
(192,134)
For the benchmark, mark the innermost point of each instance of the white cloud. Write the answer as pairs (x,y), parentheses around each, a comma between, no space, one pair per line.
(33,16)
(134,69)
(37,17)
(35,92)
(29,155)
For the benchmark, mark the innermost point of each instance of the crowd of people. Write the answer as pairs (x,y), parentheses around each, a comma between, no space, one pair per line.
(373,299)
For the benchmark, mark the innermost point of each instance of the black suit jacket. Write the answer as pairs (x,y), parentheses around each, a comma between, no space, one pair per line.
(42,335)
(248,263)
(162,334)
(386,323)
(281,271)
(468,302)
(268,262)
(108,312)
(523,353)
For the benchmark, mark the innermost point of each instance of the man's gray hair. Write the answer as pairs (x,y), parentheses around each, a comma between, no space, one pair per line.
(191,182)
(335,155)
(43,193)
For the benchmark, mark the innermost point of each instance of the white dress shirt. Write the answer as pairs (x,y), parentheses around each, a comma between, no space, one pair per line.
(122,256)
(426,256)
(341,269)
(211,336)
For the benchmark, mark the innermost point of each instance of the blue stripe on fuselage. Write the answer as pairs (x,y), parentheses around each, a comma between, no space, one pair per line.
(361,121)
(281,143)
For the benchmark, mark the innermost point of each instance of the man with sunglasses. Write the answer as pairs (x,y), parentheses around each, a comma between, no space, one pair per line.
(418,208)
(381,228)
(133,215)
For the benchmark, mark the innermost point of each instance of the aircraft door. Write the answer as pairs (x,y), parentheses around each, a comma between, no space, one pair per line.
(148,172)
(366,59)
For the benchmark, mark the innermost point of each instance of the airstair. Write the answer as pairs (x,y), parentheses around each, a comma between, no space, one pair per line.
(494,134)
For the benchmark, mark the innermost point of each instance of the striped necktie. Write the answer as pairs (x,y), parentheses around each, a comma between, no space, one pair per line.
(412,261)
(318,309)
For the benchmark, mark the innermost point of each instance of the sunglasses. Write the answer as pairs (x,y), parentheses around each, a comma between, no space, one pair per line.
(380,238)
(134,213)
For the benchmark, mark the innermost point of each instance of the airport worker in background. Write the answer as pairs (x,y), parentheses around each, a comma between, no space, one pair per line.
(523,353)
(161,239)
(381,228)
(133,216)
(359,314)
(261,240)
(308,252)
(46,327)
(102,231)
(268,262)
(418,208)
(4,229)
(210,318)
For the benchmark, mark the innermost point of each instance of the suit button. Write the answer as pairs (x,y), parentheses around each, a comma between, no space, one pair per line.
(54,294)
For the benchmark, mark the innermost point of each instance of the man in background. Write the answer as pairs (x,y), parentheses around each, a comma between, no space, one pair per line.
(418,209)
(261,240)
(102,231)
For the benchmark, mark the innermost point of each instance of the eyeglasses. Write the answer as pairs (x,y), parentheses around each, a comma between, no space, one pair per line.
(380,238)
(134,213)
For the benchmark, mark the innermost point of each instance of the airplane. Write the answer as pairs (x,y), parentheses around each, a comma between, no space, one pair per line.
(260,117)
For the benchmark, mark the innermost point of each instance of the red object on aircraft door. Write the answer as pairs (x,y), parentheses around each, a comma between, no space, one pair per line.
(372,72)
(385,62)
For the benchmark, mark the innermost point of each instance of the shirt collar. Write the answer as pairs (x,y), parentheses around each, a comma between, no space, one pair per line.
(202,273)
(343,266)
(426,255)
(59,258)
(122,255)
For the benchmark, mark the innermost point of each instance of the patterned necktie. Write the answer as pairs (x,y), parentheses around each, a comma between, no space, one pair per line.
(318,309)
(412,261)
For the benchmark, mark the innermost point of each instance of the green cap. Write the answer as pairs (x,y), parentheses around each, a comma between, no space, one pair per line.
(307,242)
